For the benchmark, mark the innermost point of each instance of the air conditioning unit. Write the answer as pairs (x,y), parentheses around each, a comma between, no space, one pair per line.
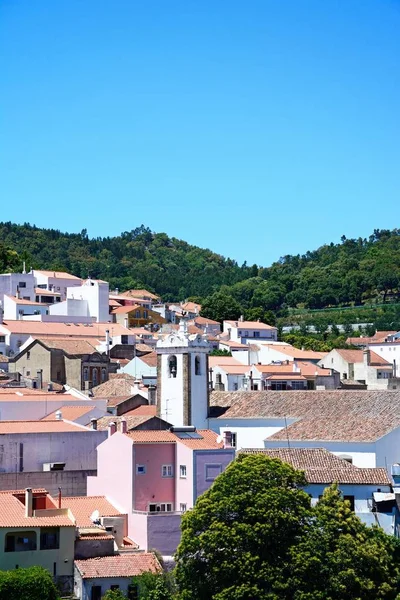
(56,466)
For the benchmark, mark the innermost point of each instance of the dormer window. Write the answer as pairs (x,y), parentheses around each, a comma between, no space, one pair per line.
(172,366)
(197,367)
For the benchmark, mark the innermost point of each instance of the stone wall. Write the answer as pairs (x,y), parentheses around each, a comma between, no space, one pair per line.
(72,483)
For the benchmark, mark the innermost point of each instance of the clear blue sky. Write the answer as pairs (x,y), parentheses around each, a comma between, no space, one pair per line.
(257,128)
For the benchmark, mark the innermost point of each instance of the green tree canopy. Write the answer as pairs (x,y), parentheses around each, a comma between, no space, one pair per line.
(255,535)
(34,583)
(221,306)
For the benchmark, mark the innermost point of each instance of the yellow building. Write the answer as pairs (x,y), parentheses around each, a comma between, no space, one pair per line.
(136,316)
(34,531)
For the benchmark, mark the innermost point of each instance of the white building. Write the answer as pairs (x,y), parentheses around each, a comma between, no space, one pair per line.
(389,349)
(182,390)
(243,331)
(363,366)
(55,281)
(15,308)
(89,300)
(13,283)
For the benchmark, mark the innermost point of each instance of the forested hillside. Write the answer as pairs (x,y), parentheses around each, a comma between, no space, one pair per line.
(349,273)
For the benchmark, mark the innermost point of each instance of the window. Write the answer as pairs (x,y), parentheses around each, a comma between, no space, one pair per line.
(50,538)
(28,373)
(246,334)
(114,587)
(160,507)
(233,439)
(344,375)
(137,314)
(96,593)
(28,356)
(182,471)
(183,508)
(133,591)
(22,284)
(197,369)
(167,471)
(145,314)
(85,374)
(103,374)
(140,469)
(124,339)
(22,541)
(256,334)
(212,471)
(94,376)
(351,500)
(2,338)
(235,387)
(172,366)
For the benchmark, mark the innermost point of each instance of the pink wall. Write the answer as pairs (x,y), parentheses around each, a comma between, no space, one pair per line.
(184,487)
(114,472)
(152,487)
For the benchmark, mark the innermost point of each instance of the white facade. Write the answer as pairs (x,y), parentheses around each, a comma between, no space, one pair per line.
(12,283)
(183,380)
(91,299)
(390,351)
(55,281)
(14,309)
(374,377)
(248,331)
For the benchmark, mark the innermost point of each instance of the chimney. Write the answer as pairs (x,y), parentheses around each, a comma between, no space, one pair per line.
(241,318)
(152,394)
(123,426)
(17,293)
(93,423)
(108,342)
(59,415)
(367,357)
(116,291)
(112,428)
(39,377)
(227,435)
(28,502)
(126,323)
(59,498)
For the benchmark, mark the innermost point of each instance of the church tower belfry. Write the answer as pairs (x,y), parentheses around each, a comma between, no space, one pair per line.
(182,378)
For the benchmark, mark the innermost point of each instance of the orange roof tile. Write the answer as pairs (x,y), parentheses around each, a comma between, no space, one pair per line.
(295,352)
(41,328)
(144,409)
(41,292)
(70,413)
(357,356)
(125,309)
(219,361)
(23,301)
(140,294)
(208,440)
(57,274)
(12,512)
(119,565)
(56,426)
(150,359)
(82,507)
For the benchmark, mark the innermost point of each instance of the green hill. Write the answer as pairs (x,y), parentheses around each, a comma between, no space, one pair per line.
(350,273)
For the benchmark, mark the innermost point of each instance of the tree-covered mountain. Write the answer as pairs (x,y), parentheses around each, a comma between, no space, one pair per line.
(348,273)
(135,259)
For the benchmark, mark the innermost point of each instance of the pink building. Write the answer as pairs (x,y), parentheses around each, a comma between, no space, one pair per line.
(155,476)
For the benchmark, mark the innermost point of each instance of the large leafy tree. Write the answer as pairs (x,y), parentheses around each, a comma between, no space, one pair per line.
(254,534)
(34,583)
(221,306)
(236,542)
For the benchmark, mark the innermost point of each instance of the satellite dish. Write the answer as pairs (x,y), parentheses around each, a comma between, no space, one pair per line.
(95,516)
(220,439)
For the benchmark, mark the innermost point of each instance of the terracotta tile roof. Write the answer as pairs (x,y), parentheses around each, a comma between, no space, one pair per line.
(286,376)
(249,325)
(337,415)
(140,294)
(23,301)
(306,369)
(12,512)
(114,303)
(290,351)
(208,439)
(55,426)
(321,466)
(120,310)
(41,292)
(127,541)
(29,394)
(235,369)
(48,328)
(119,565)
(143,348)
(116,386)
(82,507)
(192,329)
(132,421)
(140,331)
(56,274)
(78,347)
(379,336)
(232,344)
(144,409)
(193,307)
(204,321)
(220,361)
(93,537)
(70,413)
(149,359)
(357,356)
